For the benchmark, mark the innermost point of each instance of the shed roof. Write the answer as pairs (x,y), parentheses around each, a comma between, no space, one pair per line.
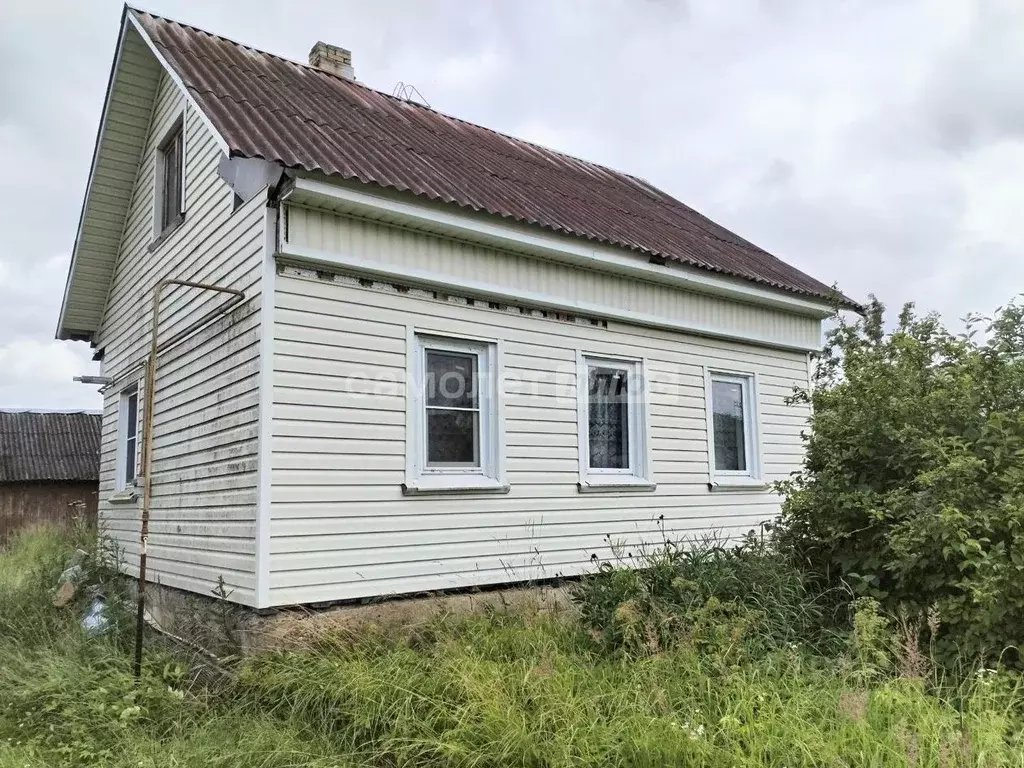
(264,106)
(36,446)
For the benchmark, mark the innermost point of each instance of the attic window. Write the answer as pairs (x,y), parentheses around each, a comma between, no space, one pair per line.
(170,179)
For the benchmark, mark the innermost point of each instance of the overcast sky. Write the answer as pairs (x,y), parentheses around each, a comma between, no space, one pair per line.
(879,145)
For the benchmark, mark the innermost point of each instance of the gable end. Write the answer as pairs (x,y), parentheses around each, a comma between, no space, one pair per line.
(120,140)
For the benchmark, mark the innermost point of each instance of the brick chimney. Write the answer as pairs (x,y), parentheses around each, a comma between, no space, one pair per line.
(331,58)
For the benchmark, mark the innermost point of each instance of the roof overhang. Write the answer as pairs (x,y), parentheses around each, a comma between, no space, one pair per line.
(120,142)
(131,86)
(383,205)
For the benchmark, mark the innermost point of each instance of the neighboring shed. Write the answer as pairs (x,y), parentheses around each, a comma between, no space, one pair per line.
(49,468)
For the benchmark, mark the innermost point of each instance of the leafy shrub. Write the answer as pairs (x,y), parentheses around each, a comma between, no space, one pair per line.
(711,596)
(912,490)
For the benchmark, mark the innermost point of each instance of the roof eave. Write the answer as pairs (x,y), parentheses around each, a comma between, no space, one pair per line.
(129,23)
(485,228)
(63,332)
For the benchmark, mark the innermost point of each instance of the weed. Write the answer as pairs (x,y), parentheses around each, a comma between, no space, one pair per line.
(704,593)
(870,641)
(507,688)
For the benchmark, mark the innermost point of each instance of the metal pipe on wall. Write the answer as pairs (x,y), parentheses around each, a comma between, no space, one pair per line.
(155,348)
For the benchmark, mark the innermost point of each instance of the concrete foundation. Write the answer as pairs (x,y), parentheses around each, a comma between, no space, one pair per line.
(226,629)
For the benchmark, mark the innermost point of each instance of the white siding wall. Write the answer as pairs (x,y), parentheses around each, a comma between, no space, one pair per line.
(329,232)
(206,410)
(340,526)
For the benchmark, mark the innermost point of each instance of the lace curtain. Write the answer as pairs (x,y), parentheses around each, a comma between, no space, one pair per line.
(609,418)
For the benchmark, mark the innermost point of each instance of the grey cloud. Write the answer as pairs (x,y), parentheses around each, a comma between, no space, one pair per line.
(973,95)
(779,173)
(873,144)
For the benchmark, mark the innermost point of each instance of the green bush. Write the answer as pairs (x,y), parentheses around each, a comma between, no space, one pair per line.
(912,491)
(713,597)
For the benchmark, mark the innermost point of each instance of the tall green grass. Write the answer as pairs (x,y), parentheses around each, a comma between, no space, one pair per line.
(505,690)
(502,689)
(706,593)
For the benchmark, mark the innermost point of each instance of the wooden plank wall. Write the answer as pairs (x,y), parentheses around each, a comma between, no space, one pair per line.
(24,505)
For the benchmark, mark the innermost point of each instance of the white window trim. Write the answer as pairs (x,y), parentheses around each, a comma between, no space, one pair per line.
(179,122)
(639,476)
(123,490)
(489,477)
(752,477)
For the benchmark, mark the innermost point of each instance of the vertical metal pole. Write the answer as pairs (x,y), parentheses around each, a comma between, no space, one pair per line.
(147,435)
(147,487)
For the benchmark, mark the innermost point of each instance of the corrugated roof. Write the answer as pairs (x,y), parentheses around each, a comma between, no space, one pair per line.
(301,117)
(49,446)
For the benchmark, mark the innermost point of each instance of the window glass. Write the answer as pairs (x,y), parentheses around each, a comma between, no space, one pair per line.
(727,399)
(131,426)
(453,409)
(172,171)
(608,400)
(451,379)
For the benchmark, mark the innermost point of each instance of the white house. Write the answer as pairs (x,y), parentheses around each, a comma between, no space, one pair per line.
(459,358)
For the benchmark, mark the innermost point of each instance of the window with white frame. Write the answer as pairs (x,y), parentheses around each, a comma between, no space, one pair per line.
(454,416)
(613,423)
(127,439)
(170,179)
(734,451)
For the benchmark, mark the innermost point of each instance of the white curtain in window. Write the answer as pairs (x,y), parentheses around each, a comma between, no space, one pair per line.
(608,398)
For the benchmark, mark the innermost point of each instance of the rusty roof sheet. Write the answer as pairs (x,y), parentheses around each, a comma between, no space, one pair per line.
(37,446)
(301,117)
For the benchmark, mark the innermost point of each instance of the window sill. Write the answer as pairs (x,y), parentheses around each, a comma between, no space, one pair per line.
(613,484)
(450,485)
(737,484)
(126,496)
(169,230)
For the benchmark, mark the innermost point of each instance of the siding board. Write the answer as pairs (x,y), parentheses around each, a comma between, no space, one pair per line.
(203,520)
(554,337)
(338,443)
(324,230)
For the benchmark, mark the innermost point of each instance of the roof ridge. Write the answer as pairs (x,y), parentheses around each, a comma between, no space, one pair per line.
(643,183)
